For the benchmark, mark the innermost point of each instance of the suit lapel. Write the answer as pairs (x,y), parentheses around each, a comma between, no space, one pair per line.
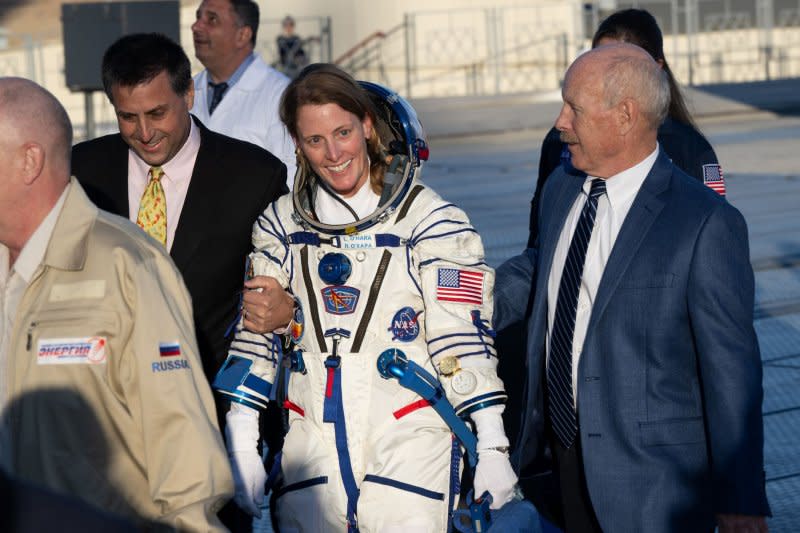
(561,193)
(118,188)
(553,220)
(201,197)
(643,212)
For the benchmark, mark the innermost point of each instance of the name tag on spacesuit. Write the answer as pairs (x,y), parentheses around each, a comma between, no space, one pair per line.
(356,242)
(71,351)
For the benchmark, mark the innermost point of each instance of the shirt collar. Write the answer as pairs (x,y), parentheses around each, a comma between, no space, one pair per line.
(238,73)
(622,188)
(184,157)
(32,254)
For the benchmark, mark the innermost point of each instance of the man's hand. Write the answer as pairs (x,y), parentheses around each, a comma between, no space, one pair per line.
(740,523)
(266,306)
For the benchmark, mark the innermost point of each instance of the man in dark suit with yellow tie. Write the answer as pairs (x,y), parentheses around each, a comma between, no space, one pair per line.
(644,374)
(196,191)
(214,186)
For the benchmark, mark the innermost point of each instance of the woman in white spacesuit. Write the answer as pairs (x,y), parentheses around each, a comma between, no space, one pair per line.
(382,272)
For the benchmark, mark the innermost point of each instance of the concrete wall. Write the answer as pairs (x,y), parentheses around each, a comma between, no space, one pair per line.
(355,19)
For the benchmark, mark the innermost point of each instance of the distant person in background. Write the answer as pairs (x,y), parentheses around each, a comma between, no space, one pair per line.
(678,135)
(292,57)
(238,94)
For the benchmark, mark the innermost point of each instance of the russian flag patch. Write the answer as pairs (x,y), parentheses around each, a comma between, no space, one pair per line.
(169,349)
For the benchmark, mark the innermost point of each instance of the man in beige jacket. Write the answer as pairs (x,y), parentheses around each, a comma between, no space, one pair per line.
(101,387)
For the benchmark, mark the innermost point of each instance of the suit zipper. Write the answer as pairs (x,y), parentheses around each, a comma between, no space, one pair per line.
(30,336)
(67,320)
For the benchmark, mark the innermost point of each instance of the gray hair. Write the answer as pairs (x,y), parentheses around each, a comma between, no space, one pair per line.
(641,79)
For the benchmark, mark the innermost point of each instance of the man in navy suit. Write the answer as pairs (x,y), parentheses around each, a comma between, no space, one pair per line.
(644,374)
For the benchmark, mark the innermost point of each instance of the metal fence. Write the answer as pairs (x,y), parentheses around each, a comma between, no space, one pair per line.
(494,50)
(482,51)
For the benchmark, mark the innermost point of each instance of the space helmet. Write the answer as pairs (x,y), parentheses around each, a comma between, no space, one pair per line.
(403,137)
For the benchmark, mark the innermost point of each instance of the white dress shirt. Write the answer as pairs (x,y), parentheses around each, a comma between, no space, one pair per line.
(175,181)
(612,208)
(14,280)
(250,111)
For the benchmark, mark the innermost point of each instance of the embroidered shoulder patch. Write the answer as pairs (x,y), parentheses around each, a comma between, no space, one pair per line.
(714,179)
(340,299)
(169,349)
(460,285)
(71,351)
(405,325)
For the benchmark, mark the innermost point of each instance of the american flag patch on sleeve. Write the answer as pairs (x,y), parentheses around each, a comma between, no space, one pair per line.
(713,178)
(461,286)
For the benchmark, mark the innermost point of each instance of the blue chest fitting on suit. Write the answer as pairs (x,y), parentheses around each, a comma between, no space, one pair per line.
(334,268)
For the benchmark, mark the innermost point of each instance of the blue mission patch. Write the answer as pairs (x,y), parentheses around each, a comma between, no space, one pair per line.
(340,299)
(405,325)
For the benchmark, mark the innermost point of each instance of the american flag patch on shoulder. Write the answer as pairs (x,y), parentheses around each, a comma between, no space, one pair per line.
(713,178)
(459,285)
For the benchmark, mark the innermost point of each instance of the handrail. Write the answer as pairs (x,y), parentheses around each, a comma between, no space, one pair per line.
(363,43)
(483,62)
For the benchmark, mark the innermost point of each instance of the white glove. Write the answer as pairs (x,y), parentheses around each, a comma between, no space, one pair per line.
(493,472)
(249,476)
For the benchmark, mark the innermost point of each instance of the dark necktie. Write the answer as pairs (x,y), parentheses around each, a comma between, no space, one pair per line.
(559,366)
(219,90)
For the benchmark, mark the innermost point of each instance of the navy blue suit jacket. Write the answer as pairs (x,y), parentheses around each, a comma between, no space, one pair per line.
(669,381)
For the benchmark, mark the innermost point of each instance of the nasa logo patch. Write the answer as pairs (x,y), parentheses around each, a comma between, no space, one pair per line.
(405,325)
(340,299)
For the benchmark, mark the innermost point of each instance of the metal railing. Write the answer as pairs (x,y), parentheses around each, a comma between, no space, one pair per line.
(367,55)
(480,51)
(484,51)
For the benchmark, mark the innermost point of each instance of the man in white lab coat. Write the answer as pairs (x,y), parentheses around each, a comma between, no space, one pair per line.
(238,93)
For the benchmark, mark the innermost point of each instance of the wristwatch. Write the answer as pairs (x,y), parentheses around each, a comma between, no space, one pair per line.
(501,449)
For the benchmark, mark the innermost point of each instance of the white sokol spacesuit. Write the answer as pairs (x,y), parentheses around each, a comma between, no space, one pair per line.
(363,453)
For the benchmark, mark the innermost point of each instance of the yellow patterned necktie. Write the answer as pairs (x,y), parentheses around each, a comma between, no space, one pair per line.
(152,216)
